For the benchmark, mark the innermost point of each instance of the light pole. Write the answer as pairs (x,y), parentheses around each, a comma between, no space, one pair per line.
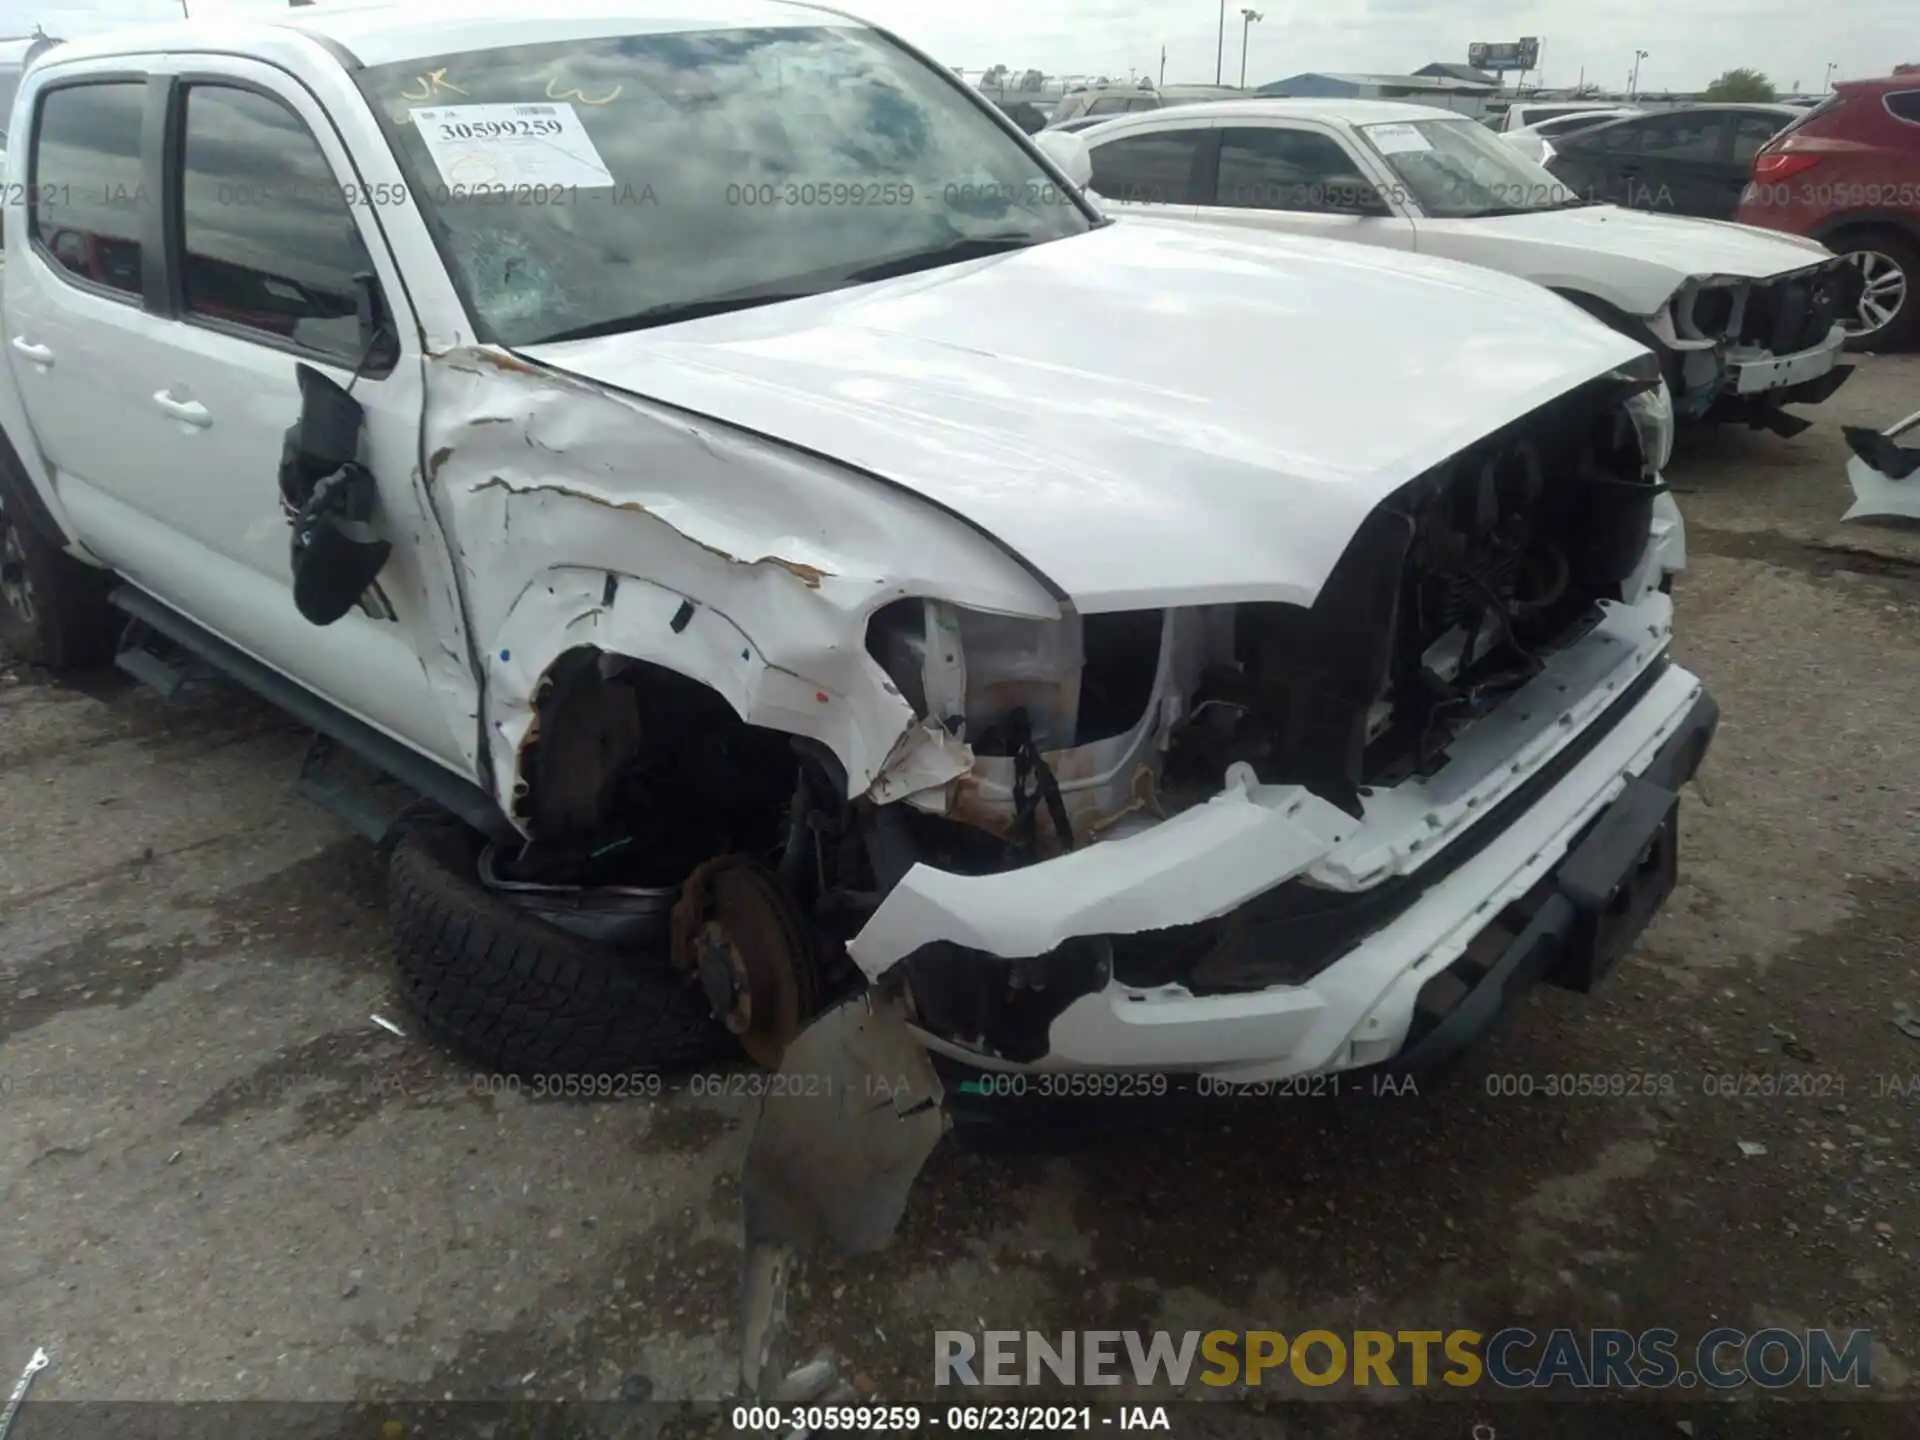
(1633,85)
(1220,48)
(1247,17)
(1827,84)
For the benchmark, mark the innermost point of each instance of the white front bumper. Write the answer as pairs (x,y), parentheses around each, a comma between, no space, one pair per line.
(1760,371)
(1215,857)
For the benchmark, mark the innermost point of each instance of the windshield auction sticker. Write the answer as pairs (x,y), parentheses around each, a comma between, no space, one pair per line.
(1389,139)
(512,146)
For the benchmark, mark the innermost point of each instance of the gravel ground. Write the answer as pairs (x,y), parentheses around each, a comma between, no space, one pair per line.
(221,1181)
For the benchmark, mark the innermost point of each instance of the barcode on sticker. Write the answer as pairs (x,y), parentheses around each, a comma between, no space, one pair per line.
(533,109)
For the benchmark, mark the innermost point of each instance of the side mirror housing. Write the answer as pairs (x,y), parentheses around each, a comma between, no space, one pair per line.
(1067,150)
(377,340)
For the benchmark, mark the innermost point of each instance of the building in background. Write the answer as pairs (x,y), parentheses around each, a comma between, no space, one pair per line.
(1468,96)
(1441,70)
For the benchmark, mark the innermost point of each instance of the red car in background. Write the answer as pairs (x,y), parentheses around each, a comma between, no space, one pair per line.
(1848,174)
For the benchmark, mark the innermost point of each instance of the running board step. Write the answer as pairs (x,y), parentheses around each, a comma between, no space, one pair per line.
(324,779)
(380,752)
(151,660)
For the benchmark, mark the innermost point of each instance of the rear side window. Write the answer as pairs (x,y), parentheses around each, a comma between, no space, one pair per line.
(87,203)
(1905,105)
(268,242)
(1750,132)
(1154,169)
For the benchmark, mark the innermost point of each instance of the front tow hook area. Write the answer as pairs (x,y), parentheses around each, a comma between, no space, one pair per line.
(844,1128)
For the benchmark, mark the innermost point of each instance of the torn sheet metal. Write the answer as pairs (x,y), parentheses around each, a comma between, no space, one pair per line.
(1199,864)
(1885,475)
(1101,782)
(832,1160)
(1214,857)
(738,563)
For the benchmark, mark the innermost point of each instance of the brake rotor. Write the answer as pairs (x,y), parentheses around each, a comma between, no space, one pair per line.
(738,936)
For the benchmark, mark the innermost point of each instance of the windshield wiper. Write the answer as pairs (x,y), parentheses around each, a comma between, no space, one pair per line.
(672,314)
(971,247)
(1496,212)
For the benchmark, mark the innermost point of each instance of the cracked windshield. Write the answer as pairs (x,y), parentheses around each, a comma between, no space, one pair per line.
(604,185)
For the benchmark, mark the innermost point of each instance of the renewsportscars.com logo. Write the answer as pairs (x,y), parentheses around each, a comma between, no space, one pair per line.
(1511,1359)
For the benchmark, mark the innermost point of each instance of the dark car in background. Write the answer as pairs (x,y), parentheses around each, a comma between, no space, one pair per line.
(1693,161)
(1847,173)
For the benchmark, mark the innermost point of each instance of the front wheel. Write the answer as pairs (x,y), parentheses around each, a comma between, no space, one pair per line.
(53,609)
(1888,317)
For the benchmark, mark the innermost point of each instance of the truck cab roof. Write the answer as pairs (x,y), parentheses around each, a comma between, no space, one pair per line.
(385,33)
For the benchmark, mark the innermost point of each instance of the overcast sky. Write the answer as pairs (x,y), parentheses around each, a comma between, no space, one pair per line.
(1689,43)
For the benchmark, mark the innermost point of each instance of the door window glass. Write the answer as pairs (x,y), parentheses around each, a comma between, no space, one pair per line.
(1682,135)
(1750,132)
(88,207)
(268,239)
(1154,169)
(1272,169)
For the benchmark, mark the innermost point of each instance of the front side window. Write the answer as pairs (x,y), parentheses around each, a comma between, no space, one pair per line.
(1155,169)
(267,240)
(1683,135)
(1454,169)
(604,185)
(1270,169)
(1905,105)
(88,202)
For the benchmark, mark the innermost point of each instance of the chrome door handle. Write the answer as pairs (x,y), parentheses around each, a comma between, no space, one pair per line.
(38,354)
(191,412)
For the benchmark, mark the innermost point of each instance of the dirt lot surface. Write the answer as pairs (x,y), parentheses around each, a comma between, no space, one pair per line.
(220,1180)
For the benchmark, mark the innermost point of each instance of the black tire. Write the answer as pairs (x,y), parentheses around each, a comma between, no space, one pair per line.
(53,609)
(520,996)
(1903,329)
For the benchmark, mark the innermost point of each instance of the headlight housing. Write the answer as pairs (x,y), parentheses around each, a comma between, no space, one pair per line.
(1652,415)
(1709,308)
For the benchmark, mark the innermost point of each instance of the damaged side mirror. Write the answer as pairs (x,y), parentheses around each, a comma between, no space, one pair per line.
(329,496)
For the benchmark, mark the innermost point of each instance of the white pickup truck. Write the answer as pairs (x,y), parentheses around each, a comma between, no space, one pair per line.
(810,558)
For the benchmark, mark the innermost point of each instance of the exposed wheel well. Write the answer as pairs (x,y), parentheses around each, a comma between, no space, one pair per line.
(1849,225)
(629,754)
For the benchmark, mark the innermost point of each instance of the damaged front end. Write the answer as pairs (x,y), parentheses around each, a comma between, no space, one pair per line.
(1248,839)
(1499,570)
(1742,348)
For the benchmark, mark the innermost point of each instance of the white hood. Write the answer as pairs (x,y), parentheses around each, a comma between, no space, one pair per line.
(1643,256)
(1150,414)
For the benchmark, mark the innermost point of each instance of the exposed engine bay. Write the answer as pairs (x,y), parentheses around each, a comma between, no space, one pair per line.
(1446,600)
(1715,324)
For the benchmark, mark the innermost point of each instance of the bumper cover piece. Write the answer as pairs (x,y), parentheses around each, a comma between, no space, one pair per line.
(1578,922)
(1884,474)
(1782,372)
